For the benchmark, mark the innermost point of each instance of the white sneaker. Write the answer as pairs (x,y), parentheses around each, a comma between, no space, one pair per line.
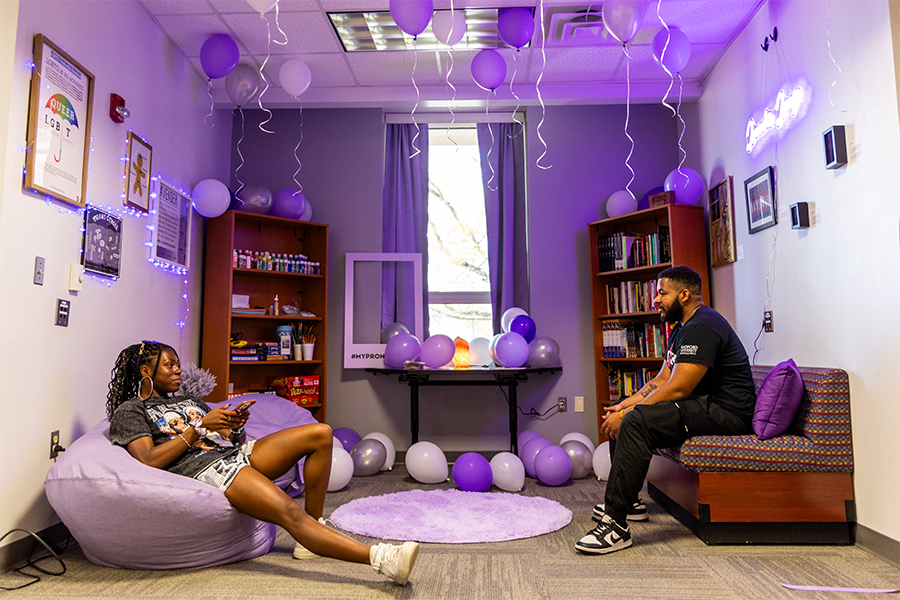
(301,552)
(393,561)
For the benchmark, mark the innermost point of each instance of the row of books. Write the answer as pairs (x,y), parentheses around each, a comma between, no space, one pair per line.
(618,251)
(631,297)
(626,382)
(256,352)
(629,339)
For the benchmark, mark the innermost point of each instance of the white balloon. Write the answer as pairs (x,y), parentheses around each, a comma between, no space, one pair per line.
(479,353)
(508,315)
(390,451)
(580,437)
(341,468)
(448,26)
(426,463)
(508,472)
(262,6)
(211,198)
(621,203)
(601,461)
(295,76)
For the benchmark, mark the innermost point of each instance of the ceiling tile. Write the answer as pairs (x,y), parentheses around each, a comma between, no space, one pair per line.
(190,31)
(306,32)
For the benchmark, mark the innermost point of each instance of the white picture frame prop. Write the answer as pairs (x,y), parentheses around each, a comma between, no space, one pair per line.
(171,243)
(366,354)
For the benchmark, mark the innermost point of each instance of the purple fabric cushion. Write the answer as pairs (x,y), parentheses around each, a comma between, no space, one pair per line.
(778,400)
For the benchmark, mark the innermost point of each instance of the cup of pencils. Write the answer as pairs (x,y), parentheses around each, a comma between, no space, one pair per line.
(304,338)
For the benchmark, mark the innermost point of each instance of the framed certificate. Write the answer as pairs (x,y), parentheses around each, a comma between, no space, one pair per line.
(171,227)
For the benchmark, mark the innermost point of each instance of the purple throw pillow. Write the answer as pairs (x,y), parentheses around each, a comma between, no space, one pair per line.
(778,400)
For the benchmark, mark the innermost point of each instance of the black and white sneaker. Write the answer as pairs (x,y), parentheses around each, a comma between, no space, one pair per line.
(638,512)
(608,536)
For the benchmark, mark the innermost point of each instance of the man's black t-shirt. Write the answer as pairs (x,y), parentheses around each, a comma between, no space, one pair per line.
(709,340)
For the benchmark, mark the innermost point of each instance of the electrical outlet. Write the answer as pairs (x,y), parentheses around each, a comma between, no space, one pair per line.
(767,322)
(579,403)
(561,403)
(54,444)
(38,270)
(62,312)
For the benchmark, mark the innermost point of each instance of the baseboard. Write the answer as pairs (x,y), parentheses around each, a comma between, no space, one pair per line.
(15,554)
(880,545)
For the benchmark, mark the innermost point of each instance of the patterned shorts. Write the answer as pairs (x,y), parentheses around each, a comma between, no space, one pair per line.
(221,473)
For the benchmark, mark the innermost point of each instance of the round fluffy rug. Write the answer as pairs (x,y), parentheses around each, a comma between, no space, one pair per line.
(451,516)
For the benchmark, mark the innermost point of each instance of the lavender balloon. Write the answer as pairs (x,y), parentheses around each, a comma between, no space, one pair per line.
(687,185)
(671,49)
(581,456)
(347,436)
(542,352)
(527,454)
(524,326)
(401,348)
(219,55)
(526,436)
(289,203)
(515,26)
(553,466)
(489,69)
(472,472)
(437,351)
(511,350)
(412,16)
(368,456)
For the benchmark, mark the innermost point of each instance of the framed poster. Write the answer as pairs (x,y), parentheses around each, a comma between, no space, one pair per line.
(137,175)
(101,242)
(172,227)
(59,124)
(721,223)
(760,193)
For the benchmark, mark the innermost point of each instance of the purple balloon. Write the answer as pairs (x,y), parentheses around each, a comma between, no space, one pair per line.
(687,185)
(526,436)
(401,348)
(515,26)
(412,16)
(645,201)
(219,55)
(511,350)
(289,203)
(437,351)
(524,326)
(553,465)
(347,436)
(489,69)
(531,449)
(472,472)
(677,52)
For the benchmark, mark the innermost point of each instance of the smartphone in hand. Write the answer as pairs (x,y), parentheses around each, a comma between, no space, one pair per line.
(245,405)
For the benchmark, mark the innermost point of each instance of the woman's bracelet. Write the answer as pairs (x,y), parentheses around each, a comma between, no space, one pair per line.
(185,441)
(238,432)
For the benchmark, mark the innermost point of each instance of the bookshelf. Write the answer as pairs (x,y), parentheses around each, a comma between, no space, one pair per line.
(627,332)
(237,230)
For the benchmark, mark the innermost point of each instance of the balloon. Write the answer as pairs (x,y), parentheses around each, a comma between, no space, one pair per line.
(601,461)
(578,437)
(542,352)
(256,199)
(645,201)
(620,203)
(294,76)
(527,454)
(437,351)
(508,315)
(524,326)
(508,472)
(242,84)
(262,6)
(676,54)
(307,214)
(391,330)
(511,350)
(368,457)
(211,198)
(401,348)
(341,469)
(526,436)
(479,353)
(489,69)
(492,347)
(390,452)
(472,473)
(426,463)
(687,185)
(347,436)
(289,203)
(219,55)
(412,16)
(553,465)
(515,26)
(581,456)
(449,26)
(622,18)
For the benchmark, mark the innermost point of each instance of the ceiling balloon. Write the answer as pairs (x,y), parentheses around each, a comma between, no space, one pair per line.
(623,18)
(412,16)
(449,26)
(673,56)
(295,76)
(515,26)
(489,69)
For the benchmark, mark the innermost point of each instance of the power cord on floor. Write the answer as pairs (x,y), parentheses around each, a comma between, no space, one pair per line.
(32,562)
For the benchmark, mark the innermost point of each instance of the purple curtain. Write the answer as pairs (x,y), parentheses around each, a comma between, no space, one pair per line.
(502,147)
(404,221)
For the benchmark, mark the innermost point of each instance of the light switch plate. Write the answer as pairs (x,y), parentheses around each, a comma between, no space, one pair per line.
(39,270)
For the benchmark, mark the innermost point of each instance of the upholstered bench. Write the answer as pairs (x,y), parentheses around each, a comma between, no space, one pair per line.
(794,488)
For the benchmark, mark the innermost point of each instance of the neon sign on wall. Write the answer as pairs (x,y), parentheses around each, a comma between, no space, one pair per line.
(788,108)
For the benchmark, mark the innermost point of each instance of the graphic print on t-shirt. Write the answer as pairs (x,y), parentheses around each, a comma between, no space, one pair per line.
(174,418)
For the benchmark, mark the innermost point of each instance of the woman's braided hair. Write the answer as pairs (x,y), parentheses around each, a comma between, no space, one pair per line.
(125,378)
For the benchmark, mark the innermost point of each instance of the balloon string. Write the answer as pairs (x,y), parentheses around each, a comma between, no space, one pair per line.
(413,113)
(628,116)
(537,88)
(209,93)
(278,25)
(662,62)
(836,66)
(299,166)
(452,100)
(263,77)
(238,148)
(491,148)
(518,101)
(681,135)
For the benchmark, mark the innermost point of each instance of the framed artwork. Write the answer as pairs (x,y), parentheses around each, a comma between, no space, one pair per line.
(137,176)
(721,223)
(760,191)
(171,227)
(101,242)
(59,124)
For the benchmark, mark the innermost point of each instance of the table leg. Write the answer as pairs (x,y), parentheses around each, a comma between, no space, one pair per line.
(513,419)
(414,410)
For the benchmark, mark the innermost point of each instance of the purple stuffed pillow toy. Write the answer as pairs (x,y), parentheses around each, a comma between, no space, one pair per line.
(778,400)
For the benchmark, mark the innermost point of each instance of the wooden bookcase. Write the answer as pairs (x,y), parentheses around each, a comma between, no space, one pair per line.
(687,240)
(237,230)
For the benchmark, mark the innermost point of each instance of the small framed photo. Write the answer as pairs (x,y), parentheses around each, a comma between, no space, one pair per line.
(760,192)
(721,223)
(101,242)
(171,227)
(137,180)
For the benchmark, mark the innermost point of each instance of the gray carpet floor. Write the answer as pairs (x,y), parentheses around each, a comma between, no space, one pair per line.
(667,562)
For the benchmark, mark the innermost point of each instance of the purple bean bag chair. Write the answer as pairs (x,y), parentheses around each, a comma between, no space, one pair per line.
(128,515)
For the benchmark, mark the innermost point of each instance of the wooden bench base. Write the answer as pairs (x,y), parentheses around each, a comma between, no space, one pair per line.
(762,507)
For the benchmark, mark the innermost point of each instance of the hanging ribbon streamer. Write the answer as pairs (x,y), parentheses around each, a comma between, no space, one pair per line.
(263,76)
(209,93)
(836,66)
(413,113)
(681,120)
(452,101)
(518,101)
(663,63)
(628,116)
(278,26)
(299,166)
(537,88)
(237,193)
(487,103)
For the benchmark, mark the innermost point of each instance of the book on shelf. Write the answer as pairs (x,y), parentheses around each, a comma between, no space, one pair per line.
(627,382)
(633,339)
(621,250)
(248,311)
(631,297)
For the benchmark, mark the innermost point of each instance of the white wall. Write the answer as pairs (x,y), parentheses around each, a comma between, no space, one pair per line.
(835,284)
(54,378)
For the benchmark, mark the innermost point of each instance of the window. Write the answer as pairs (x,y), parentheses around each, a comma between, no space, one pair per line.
(459,297)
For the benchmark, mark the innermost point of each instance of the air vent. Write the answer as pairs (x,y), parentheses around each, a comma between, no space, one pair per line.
(580,25)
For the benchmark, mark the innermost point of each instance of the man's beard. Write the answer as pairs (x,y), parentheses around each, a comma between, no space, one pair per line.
(674,314)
